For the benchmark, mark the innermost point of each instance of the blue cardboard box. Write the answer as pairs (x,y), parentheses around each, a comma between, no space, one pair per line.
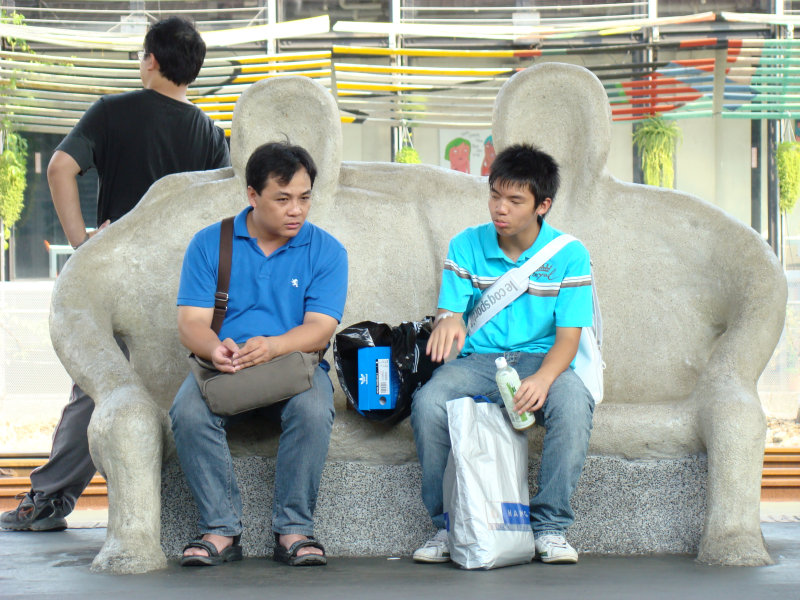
(377,379)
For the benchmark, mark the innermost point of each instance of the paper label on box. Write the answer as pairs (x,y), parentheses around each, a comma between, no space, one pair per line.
(382,377)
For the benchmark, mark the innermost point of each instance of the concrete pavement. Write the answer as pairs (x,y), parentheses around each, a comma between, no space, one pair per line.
(56,565)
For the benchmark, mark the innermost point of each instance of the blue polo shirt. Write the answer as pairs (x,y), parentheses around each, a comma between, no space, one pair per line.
(268,295)
(559,293)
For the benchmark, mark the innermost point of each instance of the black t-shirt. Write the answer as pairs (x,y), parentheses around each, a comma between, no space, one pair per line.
(134,139)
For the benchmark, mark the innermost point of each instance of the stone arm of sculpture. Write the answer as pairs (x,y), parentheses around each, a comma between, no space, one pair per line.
(108,288)
(730,417)
(82,332)
(126,433)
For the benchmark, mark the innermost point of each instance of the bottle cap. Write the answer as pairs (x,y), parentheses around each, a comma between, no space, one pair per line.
(500,362)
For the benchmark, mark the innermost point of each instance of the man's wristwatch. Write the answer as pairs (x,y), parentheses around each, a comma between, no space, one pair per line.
(444,315)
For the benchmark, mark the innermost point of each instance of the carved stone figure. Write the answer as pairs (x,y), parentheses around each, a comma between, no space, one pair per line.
(693,301)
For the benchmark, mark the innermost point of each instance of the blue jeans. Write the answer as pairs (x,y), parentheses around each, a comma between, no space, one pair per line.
(566,415)
(201,441)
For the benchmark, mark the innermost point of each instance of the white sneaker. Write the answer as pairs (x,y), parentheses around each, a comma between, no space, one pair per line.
(435,549)
(553,548)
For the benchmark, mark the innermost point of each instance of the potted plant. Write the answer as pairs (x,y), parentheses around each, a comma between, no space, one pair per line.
(407,154)
(655,140)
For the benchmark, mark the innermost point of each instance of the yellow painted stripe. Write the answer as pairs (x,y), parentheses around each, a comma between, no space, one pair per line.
(68,87)
(253,78)
(421,52)
(419,70)
(374,87)
(216,107)
(278,57)
(221,98)
(69,60)
(619,30)
(344,119)
(286,67)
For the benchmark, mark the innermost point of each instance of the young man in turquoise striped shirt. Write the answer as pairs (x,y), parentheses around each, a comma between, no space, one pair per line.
(537,333)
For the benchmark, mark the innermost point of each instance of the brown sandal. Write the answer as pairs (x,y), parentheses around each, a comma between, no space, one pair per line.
(230,554)
(290,557)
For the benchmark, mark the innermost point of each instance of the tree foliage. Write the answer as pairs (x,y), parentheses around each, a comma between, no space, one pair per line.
(13,162)
(787,159)
(13,147)
(656,139)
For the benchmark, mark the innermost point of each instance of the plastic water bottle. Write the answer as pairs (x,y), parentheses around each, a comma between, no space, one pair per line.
(508,383)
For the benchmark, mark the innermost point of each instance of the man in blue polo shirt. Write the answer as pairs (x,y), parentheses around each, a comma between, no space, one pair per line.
(538,334)
(287,292)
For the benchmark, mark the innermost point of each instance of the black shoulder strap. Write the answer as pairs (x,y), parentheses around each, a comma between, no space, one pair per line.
(223,273)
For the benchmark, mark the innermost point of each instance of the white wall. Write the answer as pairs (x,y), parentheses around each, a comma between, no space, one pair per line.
(366,142)
(712,160)
(620,157)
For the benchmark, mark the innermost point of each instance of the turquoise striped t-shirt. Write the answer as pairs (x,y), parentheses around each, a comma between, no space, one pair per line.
(559,293)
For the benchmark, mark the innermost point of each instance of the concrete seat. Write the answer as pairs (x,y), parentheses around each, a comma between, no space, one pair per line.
(693,304)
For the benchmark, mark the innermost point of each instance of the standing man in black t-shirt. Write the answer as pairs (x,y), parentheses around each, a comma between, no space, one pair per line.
(132,139)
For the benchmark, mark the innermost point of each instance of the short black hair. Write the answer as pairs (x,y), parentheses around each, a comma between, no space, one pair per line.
(527,166)
(178,48)
(280,160)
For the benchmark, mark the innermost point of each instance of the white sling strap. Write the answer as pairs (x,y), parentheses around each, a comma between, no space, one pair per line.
(512,285)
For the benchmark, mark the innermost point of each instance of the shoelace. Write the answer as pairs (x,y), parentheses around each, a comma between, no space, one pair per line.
(437,541)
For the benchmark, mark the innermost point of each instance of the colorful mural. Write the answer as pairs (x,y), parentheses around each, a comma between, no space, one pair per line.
(467,151)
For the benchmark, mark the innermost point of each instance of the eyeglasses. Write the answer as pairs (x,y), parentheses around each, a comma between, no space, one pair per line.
(142,54)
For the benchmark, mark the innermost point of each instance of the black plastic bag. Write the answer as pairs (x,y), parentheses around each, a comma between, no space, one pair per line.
(407,342)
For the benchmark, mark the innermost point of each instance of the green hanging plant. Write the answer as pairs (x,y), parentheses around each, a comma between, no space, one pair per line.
(14,18)
(13,147)
(655,139)
(787,158)
(408,154)
(12,179)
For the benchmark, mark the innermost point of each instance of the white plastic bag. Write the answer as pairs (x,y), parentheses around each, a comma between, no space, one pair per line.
(589,363)
(486,500)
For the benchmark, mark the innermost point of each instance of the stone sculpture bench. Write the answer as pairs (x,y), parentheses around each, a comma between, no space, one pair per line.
(693,305)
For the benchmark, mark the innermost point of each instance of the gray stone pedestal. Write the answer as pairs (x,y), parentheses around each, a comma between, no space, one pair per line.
(364,509)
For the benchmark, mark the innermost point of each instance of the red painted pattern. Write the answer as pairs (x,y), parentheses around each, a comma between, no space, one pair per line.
(526,53)
(702,64)
(699,43)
